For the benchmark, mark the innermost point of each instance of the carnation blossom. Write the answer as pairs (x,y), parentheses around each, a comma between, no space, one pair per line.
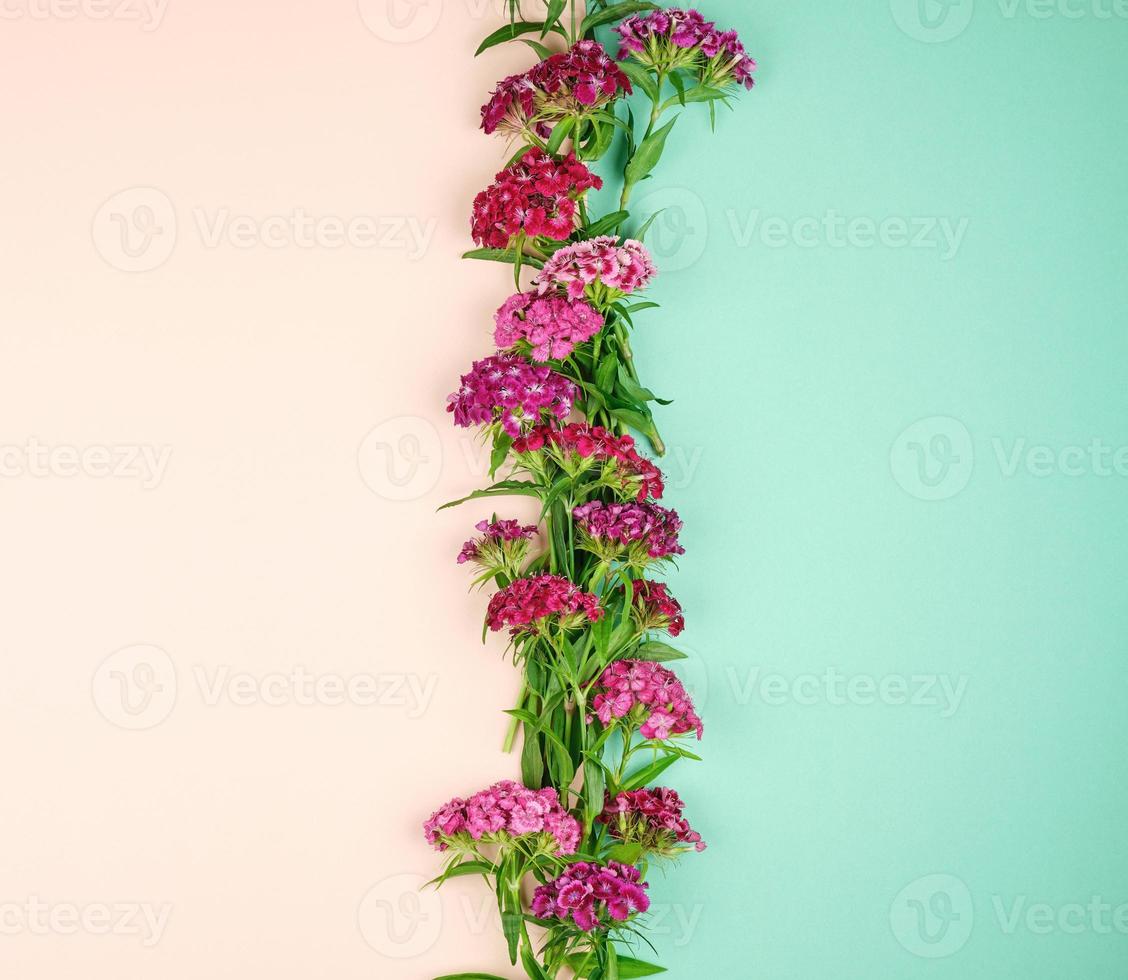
(675,38)
(620,268)
(652,818)
(581,78)
(507,388)
(654,607)
(648,695)
(551,325)
(526,603)
(535,195)
(502,545)
(641,530)
(504,811)
(593,896)
(579,445)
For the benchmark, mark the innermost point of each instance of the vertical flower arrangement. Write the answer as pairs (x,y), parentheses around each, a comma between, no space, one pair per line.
(600,717)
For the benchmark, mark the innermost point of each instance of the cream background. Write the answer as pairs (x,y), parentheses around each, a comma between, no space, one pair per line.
(263,548)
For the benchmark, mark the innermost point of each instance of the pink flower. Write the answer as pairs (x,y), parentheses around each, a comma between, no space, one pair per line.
(505,810)
(502,544)
(508,389)
(652,818)
(644,531)
(649,695)
(551,325)
(526,603)
(579,445)
(673,38)
(593,896)
(655,608)
(580,78)
(535,195)
(623,268)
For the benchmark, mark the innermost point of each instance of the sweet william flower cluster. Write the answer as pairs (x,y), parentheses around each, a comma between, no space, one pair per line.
(600,712)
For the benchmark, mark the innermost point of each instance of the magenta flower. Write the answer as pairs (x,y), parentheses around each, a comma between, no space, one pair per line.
(648,695)
(579,445)
(593,896)
(508,389)
(652,818)
(551,325)
(655,609)
(502,545)
(581,78)
(620,268)
(527,603)
(674,38)
(640,531)
(504,811)
(535,195)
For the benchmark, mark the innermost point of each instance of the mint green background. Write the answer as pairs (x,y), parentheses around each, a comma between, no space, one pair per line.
(794,371)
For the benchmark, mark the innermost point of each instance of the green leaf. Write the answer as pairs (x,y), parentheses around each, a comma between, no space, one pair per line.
(649,773)
(657,652)
(555,9)
(617,11)
(501,255)
(502,444)
(532,967)
(504,488)
(594,785)
(641,233)
(629,968)
(633,388)
(511,922)
(607,224)
(532,764)
(642,78)
(508,33)
(611,970)
(624,853)
(647,155)
(540,49)
(560,133)
(470,976)
(463,869)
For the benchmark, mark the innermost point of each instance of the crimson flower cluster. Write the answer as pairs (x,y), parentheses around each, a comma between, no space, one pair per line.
(504,810)
(535,195)
(593,896)
(652,818)
(578,442)
(623,267)
(507,388)
(655,608)
(495,548)
(643,530)
(580,78)
(552,325)
(675,37)
(647,694)
(526,603)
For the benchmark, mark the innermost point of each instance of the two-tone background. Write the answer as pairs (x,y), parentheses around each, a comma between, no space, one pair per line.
(238,665)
